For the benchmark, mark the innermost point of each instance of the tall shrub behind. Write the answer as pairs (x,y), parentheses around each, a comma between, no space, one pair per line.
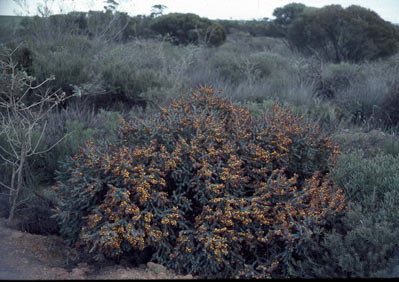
(189,28)
(354,34)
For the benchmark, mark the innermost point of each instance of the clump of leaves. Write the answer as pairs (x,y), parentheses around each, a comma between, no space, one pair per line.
(210,189)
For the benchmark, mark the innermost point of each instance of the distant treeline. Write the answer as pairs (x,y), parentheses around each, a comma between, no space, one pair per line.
(335,34)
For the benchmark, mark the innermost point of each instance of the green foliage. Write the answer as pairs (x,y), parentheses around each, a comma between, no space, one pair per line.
(67,59)
(111,5)
(366,92)
(353,34)
(262,27)
(108,25)
(23,56)
(139,27)
(268,63)
(329,116)
(366,249)
(79,128)
(259,66)
(286,15)
(72,23)
(364,244)
(227,67)
(34,216)
(331,81)
(390,105)
(341,76)
(368,181)
(207,188)
(371,143)
(189,28)
(127,83)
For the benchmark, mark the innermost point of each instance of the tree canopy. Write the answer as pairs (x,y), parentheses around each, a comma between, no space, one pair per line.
(336,34)
(189,28)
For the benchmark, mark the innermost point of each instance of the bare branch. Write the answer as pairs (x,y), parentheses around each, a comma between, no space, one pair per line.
(40,138)
(51,147)
(6,186)
(18,122)
(6,151)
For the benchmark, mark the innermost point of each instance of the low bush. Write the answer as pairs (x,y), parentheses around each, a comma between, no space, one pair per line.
(204,187)
(368,181)
(126,76)
(268,63)
(23,56)
(227,67)
(79,124)
(390,114)
(334,79)
(265,68)
(68,60)
(370,142)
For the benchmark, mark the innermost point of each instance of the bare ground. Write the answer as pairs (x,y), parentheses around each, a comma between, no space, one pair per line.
(36,257)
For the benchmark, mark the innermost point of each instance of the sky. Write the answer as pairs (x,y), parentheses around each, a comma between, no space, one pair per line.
(212,9)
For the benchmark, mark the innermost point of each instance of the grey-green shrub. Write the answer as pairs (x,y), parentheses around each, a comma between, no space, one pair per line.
(365,247)
(371,142)
(368,180)
(365,242)
(126,76)
(69,61)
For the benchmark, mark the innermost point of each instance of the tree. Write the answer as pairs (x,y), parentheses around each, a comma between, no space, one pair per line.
(189,28)
(157,10)
(383,35)
(286,15)
(110,5)
(336,34)
(19,121)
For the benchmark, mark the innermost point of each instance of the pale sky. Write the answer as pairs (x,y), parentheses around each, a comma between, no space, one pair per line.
(212,9)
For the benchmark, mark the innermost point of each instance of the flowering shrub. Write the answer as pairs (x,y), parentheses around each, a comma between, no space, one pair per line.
(210,189)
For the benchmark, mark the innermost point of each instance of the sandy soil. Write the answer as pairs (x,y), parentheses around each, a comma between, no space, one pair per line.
(29,256)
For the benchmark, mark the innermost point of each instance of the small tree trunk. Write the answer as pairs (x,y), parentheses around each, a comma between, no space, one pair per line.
(12,185)
(19,184)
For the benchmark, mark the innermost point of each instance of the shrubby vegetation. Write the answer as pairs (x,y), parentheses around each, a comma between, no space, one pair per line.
(206,187)
(203,162)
